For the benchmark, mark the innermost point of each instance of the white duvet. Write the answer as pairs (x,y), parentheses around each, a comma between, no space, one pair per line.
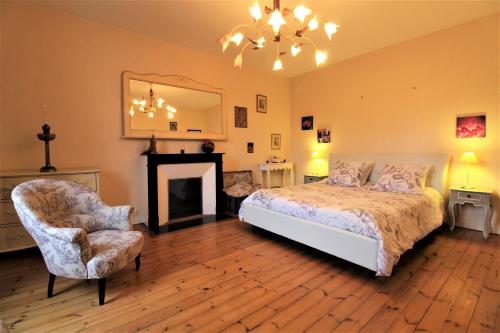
(396,220)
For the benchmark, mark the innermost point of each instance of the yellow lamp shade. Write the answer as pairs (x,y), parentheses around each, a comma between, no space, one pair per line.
(469,158)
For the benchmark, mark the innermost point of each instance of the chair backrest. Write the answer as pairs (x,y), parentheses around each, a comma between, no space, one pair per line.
(234,177)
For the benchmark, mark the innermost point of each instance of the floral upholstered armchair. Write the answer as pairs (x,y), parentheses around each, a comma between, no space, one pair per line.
(237,186)
(79,236)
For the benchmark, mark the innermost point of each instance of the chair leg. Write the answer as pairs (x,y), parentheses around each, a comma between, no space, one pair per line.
(50,291)
(102,290)
(138,262)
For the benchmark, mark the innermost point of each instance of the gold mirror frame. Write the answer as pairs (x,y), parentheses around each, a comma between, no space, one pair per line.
(175,81)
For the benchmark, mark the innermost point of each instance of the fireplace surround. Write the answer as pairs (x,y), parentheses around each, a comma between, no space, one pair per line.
(162,167)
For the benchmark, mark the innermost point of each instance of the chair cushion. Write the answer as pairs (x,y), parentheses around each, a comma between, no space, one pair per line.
(238,190)
(112,250)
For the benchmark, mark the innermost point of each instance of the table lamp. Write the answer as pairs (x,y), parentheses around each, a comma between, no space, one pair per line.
(468,158)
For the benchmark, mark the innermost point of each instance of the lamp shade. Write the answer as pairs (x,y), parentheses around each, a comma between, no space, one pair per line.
(469,158)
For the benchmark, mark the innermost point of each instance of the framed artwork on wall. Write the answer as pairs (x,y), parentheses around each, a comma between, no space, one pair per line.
(240,117)
(323,135)
(307,123)
(250,147)
(471,126)
(262,103)
(275,141)
(173,126)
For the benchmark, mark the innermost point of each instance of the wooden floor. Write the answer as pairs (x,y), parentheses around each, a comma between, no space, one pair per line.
(223,277)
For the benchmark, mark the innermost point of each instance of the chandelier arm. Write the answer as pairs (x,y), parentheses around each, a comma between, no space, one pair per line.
(310,41)
(241,26)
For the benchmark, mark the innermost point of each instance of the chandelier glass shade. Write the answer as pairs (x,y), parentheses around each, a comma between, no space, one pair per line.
(285,27)
(151,106)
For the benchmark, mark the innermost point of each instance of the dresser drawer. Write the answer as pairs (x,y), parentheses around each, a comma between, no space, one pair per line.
(8,215)
(15,238)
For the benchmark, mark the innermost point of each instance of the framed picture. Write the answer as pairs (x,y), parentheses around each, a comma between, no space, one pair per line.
(262,103)
(307,123)
(173,126)
(471,126)
(275,141)
(240,117)
(250,147)
(323,135)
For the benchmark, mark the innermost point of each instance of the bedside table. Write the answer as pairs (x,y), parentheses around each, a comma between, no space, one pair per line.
(478,197)
(312,179)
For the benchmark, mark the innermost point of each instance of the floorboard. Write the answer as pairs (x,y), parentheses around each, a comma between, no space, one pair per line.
(222,277)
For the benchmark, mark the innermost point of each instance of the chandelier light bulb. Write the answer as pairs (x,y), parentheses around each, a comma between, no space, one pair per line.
(141,108)
(237,38)
(224,40)
(135,101)
(295,49)
(255,11)
(301,12)
(170,115)
(261,42)
(313,24)
(330,29)
(320,57)
(276,21)
(143,102)
(160,102)
(171,109)
(278,65)
(131,111)
(238,60)
(151,114)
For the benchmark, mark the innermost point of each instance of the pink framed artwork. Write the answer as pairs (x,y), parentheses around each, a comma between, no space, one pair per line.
(473,126)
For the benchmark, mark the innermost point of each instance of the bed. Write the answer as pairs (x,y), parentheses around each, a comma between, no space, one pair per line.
(371,229)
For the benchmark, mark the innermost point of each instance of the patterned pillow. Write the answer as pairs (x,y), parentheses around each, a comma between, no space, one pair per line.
(402,178)
(350,173)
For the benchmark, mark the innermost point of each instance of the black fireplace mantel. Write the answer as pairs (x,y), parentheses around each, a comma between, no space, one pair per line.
(154,160)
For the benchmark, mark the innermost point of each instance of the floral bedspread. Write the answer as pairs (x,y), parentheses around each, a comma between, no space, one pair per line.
(396,220)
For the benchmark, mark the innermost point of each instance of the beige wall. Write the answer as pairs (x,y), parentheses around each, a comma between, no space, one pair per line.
(74,66)
(405,98)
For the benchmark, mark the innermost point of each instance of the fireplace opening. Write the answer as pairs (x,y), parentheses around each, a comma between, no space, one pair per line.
(185,198)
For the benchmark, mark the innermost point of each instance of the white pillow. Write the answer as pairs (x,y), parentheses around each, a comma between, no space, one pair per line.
(350,173)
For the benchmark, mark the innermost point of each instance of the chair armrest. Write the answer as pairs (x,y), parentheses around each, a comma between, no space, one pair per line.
(115,218)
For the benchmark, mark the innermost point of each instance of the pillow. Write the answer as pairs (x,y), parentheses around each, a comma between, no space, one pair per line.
(350,173)
(402,178)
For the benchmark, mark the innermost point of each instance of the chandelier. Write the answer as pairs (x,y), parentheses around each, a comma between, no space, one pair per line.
(152,107)
(274,27)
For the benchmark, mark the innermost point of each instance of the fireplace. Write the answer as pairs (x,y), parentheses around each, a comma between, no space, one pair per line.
(183,190)
(185,199)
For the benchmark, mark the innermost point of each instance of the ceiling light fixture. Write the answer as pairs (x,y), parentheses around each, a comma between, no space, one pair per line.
(271,24)
(154,105)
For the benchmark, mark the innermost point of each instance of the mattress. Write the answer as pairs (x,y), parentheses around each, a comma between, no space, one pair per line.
(395,220)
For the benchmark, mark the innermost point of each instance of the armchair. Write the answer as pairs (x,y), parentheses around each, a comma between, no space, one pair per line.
(79,236)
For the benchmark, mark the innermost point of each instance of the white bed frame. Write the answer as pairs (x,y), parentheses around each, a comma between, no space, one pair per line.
(352,247)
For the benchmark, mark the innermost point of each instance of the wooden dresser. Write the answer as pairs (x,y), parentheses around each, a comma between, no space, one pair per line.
(12,234)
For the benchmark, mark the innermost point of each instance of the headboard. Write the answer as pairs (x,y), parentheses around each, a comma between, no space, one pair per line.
(438,175)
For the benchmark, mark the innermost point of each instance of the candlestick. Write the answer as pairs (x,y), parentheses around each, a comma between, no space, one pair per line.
(46,136)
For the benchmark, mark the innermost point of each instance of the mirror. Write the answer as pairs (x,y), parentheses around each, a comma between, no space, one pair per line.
(173,107)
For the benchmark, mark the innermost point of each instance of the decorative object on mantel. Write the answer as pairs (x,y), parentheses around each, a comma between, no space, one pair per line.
(262,103)
(275,141)
(152,147)
(46,137)
(307,123)
(471,126)
(291,32)
(323,135)
(240,117)
(207,146)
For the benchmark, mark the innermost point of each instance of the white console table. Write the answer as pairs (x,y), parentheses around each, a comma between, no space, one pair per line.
(270,167)
(13,236)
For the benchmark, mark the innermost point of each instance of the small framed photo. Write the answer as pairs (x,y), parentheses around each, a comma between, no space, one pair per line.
(240,117)
(275,141)
(323,135)
(250,147)
(262,103)
(471,126)
(173,126)
(307,123)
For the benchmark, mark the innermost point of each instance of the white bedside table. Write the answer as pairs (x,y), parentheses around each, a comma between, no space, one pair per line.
(478,197)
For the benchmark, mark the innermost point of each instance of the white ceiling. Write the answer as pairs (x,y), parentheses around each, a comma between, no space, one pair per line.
(365,26)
